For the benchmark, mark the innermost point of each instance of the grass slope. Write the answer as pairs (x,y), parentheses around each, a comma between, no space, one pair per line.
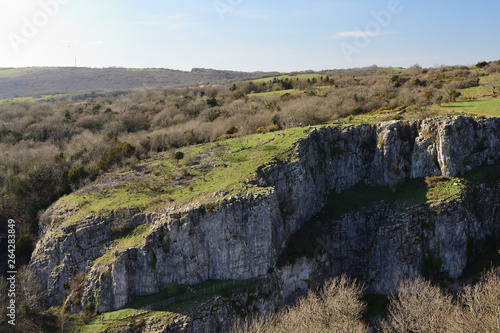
(224,167)
(189,297)
(487,107)
(290,77)
(11,73)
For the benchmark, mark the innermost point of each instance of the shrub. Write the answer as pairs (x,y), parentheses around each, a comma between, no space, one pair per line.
(212,102)
(358,110)
(179,155)
(89,311)
(77,174)
(419,306)
(481,64)
(232,130)
(107,160)
(336,307)
(135,122)
(213,114)
(267,129)
(481,305)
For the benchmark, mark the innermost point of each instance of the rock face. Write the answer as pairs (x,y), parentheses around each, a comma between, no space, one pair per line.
(242,237)
(387,243)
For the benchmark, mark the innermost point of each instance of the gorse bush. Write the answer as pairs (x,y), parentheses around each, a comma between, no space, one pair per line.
(267,129)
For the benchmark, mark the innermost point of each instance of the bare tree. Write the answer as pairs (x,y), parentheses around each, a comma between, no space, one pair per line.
(419,306)
(493,83)
(337,307)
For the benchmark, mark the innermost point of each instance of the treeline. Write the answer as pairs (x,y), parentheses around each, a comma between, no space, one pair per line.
(27,82)
(416,306)
(48,149)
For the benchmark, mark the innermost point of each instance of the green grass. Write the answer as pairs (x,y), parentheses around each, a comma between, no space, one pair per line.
(11,73)
(412,192)
(134,311)
(114,321)
(134,238)
(475,91)
(31,99)
(168,183)
(292,77)
(488,107)
(486,174)
(275,93)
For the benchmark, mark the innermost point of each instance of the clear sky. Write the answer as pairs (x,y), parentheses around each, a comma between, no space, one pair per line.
(247,35)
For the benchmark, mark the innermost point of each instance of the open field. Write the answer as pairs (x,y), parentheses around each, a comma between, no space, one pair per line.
(487,107)
(275,93)
(34,98)
(11,73)
(290,77)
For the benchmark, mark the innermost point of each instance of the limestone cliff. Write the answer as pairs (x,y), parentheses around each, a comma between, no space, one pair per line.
(386,243)
(242,236)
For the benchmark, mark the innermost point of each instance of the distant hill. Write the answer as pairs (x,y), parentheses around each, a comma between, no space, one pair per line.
(15,82)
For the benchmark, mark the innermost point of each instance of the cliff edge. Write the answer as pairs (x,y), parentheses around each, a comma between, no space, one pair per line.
(229,210)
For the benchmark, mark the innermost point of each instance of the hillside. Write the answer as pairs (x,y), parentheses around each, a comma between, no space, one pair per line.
(32,81)
(228,212)
(202,203)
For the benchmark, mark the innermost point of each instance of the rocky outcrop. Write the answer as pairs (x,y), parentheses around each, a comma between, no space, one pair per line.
(184,247)
(242,237)
(386,243)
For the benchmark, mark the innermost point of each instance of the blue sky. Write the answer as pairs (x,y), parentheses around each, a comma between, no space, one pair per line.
(247,35)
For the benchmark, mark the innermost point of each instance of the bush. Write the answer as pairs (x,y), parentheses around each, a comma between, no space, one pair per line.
(179,155)
(212,102)
(337,307)
(481,305)
(481,64)
(267,129)
(419,306)
(77,174)
(232,130)
(88,311)
(213,114)
(107,160)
